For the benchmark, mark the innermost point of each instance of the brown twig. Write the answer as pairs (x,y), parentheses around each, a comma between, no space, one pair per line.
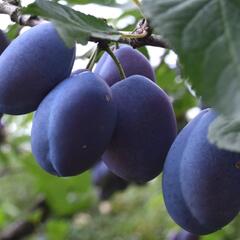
(15,14)
(153,40)
(22,228)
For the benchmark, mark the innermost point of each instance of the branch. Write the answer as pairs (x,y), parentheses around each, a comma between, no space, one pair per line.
(142,29)
(15,14)
(152,40)
(26,20)
(22,228)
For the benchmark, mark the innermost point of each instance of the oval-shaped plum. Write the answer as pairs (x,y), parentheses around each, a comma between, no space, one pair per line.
(145,130)
(106,182)
(3,41)
(31,66)
(73,125)
(132,61)
(200,181)
(171,183)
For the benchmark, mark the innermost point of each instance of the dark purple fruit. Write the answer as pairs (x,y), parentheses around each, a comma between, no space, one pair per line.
(106,182)
(184,235)
(145,130)
(132,61)
(32,65)
(200,181)
(73,125)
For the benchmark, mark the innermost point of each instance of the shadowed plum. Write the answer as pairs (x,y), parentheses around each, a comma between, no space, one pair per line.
(132,61)
(73,125)
(201,182)
(31,66)
(184,235)
(106,182)
(3,41)
(145,130)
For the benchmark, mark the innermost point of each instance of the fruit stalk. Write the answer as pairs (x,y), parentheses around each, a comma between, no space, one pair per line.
(93,57)
(115,59)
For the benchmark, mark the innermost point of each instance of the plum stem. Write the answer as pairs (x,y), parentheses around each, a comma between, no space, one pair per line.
(117,45)
(93,58)
(106,47)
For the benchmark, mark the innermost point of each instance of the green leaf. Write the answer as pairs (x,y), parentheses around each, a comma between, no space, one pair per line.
(72,25)
(205,35)
(225,133)
(13,31)
(101,2)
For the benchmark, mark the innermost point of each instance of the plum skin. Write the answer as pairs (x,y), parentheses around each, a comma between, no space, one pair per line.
(132,61)
(145,130)
(106,182)
(31,66)
(200,181)
(73,125)
(171,185)
(184,235)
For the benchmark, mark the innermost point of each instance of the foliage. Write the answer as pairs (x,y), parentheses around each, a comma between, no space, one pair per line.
(72,25)
(211,62)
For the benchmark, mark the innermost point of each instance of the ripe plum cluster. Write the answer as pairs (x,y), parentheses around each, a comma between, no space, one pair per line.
(127,127)
(85,117)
